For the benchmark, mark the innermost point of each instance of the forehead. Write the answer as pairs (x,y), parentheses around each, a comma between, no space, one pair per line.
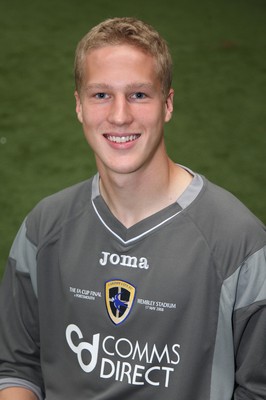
(119,61)
(127,49)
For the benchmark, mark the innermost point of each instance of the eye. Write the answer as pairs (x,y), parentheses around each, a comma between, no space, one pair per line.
(139,95)
(101,95)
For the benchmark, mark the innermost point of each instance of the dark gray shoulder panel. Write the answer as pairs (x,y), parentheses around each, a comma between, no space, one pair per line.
(49,215)
(232,232)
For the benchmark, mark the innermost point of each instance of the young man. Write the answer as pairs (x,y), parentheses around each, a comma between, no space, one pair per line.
(146,281)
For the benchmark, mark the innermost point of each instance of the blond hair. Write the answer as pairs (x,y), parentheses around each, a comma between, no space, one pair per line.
(130,31)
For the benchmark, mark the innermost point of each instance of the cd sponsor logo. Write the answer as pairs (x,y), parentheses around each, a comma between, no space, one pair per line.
(123,360)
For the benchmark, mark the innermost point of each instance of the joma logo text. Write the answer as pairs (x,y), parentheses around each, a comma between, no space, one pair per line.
(123,260)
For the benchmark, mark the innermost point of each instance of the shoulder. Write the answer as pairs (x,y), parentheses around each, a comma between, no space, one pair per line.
(230,229)
(53,211)
(226,209)
(223,208)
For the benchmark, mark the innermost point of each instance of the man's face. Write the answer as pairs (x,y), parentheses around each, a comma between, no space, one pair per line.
(122,109)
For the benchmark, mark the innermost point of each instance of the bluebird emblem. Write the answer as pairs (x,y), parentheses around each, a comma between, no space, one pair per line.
(119,300)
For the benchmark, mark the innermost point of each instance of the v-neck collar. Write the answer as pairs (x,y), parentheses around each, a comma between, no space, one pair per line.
(149,224)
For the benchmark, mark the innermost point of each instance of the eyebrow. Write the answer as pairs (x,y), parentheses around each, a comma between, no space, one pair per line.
(131,86)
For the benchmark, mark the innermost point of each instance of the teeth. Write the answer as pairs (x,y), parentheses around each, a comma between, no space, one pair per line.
(122,139)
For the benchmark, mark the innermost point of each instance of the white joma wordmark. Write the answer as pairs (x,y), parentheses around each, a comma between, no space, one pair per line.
(123,260)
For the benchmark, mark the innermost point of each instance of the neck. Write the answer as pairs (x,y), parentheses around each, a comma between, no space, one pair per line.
(133,197)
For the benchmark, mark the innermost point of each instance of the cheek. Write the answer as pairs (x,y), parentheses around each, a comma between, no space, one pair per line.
(150,117)
(93,123)
(91,118)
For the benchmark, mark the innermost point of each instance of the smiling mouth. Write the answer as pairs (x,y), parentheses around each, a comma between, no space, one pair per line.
(122,139)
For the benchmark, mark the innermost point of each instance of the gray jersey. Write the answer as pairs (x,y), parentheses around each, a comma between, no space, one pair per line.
(173,307)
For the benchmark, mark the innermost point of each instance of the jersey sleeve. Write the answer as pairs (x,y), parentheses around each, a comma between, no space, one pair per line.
(19,326)
(250,329)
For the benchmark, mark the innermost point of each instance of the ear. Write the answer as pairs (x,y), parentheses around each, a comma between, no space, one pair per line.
(169,105)
(78,107)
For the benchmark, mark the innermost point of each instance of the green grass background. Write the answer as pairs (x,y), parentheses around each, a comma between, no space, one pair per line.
(219,125)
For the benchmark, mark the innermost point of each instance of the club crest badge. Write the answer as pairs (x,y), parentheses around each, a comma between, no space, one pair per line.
(119,299)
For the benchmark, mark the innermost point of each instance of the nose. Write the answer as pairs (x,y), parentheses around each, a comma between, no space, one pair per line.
(120,112)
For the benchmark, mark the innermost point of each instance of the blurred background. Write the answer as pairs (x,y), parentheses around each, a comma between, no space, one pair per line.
(219,124)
